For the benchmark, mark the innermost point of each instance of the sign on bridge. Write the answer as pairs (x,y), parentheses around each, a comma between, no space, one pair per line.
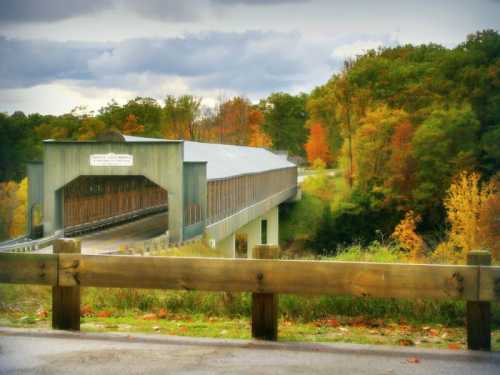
(111,160)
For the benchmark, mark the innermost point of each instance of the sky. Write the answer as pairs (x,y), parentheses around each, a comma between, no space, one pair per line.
(59,54)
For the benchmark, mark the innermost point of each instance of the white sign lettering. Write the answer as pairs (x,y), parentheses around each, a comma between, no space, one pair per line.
(111,160)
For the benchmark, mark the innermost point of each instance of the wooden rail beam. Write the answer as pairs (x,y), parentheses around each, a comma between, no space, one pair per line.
(271,276)
(22,268)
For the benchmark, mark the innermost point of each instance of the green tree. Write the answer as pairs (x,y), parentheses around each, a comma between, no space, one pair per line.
(446,143)
(285,118)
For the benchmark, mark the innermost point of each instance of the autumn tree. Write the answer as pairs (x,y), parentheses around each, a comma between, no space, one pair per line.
(373,148)
(232,120)
(181,117)
(258,138)
(317,145)
(17,226)
(131,126)
(91,128)
(467,200)
(406,235)
(401,165)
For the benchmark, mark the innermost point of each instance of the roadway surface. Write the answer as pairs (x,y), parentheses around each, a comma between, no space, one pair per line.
(112,239)
(56,352)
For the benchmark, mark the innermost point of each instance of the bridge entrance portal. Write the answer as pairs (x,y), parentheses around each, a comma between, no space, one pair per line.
(93,202)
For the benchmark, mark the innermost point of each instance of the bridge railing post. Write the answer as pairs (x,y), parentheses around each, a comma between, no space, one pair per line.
(265,305)
(66,300)
(478,315)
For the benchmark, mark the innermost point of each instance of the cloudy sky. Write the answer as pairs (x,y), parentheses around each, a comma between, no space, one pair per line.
(57,54)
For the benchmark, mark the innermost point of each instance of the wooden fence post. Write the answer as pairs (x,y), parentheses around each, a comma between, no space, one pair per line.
(66,300)
(265,305)
(478,312)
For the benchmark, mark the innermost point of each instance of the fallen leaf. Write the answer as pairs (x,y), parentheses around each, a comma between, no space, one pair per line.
(433,332)
(343,329)
(150,317)
(333,323)
(86,310)
(406,342)
(104,314)
(413,360)
(156,328)
(162,314)
(453,346)
(42,314)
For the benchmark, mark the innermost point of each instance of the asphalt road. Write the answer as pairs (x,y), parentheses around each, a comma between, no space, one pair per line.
(55,352)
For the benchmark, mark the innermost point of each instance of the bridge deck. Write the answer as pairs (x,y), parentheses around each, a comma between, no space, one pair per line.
(112,239)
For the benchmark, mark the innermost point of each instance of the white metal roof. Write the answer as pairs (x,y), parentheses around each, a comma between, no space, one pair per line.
(229,160)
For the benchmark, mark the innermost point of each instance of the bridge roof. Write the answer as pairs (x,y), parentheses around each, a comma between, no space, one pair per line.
(229,160)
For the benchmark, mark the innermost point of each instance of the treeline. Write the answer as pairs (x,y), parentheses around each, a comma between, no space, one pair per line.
(401,124)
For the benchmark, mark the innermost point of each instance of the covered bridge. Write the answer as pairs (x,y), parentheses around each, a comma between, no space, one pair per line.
(212,189)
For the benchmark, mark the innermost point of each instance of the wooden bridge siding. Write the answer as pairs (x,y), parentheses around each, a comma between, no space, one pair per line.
(88,198)
(228,196)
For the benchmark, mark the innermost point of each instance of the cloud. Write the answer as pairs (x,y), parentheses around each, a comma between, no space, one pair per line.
(259,2)
(48,10)
(19,11)
(252,61)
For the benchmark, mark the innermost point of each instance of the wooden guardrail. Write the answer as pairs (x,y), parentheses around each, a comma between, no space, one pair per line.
(67,270)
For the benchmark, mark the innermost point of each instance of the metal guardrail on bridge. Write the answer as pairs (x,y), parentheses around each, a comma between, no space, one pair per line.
(30,245)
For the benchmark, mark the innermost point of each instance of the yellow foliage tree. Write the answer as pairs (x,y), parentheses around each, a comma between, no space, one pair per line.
(466,199)
(467,205)
(18,224)
(406,235)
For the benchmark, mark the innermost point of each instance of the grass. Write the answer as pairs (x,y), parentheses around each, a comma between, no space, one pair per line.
(425,323)
(333,329)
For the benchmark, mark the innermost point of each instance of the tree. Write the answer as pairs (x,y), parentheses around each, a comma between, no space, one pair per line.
(258,138)
(131,126)
(467,199)
(285,117)
(91,127)
(445,144)
(180,117)
(232,121)
(17,226)
(406,235)
(317,145)
(401,165)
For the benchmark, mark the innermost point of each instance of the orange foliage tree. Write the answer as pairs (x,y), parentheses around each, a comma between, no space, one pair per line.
(258,138)
(131,126)
(317,145)
(406,235)
(402,164)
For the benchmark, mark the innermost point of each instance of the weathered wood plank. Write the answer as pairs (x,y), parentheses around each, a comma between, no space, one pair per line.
(478,315)
(271,276)
(23,268)
(489,283)
(66,299)
(265,305)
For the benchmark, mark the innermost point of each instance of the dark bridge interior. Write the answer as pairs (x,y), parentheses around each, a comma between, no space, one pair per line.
(93,202)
